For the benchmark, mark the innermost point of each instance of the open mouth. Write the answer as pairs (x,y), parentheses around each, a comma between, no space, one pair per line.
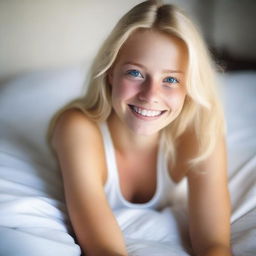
(146,113)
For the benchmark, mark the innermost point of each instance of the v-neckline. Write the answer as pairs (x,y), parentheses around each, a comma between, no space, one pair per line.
(115,168)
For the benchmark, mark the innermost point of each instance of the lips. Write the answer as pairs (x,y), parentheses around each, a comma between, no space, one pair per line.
(146,112)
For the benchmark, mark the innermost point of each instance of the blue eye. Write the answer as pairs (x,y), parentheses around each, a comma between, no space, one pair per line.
(171,80)
(134,73)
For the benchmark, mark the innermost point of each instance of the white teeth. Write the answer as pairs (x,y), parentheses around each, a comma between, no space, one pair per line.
(144,112)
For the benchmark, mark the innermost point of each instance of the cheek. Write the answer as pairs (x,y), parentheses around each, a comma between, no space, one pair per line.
(176,99)
(124,89)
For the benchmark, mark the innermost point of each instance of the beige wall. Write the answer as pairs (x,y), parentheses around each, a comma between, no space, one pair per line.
(40,34)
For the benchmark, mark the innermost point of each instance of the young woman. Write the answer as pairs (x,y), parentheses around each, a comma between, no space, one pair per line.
(151,99)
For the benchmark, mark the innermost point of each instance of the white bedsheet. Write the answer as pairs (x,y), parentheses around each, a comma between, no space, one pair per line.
(33,217)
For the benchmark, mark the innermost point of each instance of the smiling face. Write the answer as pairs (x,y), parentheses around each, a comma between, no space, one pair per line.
(148,81)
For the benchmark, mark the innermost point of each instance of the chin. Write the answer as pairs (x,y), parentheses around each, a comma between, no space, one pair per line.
(144,131)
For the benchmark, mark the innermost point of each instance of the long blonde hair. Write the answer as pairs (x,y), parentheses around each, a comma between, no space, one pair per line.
(201,111)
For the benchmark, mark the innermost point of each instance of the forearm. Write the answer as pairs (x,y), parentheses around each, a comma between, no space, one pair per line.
(107,253)
(113,245)
(217,250)
(98,232)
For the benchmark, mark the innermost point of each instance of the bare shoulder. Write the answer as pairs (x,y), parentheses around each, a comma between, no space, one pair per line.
(213,166)
(78,143)
(186,148)
(73,126)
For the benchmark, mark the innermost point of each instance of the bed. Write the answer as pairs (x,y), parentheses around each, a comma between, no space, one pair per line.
(33,215)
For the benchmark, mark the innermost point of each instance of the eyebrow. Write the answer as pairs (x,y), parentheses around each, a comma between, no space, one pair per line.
(164,71)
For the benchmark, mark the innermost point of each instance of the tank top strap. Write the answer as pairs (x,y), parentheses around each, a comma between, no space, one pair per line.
(110,156)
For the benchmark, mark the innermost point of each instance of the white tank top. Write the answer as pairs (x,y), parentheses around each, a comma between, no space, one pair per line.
(166,190)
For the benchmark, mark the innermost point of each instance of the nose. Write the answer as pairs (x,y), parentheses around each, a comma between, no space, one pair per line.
(149,91)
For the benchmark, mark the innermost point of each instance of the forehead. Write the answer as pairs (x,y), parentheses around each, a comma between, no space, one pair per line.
(154,48)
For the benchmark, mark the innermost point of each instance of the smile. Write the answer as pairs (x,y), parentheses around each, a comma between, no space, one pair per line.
(145,112)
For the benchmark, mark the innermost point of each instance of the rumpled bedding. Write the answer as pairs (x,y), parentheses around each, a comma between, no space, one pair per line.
(33,215)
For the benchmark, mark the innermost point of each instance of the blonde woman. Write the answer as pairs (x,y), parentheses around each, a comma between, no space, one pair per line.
(151,112)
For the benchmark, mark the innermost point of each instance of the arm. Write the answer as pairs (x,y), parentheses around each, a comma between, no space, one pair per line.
(209,205)
(78,144)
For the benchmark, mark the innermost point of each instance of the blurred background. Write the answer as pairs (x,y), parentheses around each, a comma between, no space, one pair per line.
(43,34)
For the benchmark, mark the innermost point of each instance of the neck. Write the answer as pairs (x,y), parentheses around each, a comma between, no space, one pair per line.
(127,142)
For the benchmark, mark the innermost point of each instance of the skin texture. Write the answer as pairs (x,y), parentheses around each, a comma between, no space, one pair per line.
(150,76)
(79,147)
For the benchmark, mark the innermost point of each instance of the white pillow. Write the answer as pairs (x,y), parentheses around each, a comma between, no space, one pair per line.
(28,102)
(30,182)
(238,94)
